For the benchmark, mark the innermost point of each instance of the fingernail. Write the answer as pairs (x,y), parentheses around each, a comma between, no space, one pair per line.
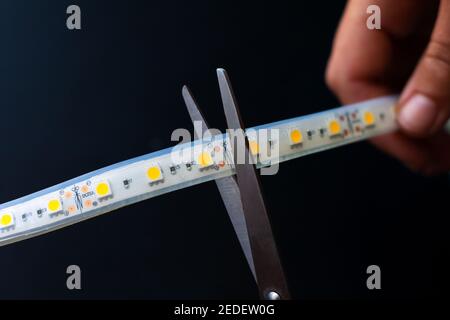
(418,114)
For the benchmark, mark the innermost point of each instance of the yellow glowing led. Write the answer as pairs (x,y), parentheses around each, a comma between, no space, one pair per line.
(205,160)
(254,147)
(296,136)
(334,128)
(368,118)
(6,220)
(103,189)
(154,173)
(54,205)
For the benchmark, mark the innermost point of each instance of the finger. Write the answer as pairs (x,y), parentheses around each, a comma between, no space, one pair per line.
(427,156)
(425,103)
(365,62)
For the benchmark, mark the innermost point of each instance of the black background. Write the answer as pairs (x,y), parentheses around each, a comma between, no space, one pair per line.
(75,101)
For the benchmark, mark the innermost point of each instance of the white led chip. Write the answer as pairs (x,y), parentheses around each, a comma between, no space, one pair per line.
(334,127)
(154,173)
(6,220)
(103,189)
(253,143)
(205,160)
(54,206)
(253,146)
(368,119)
(295,137)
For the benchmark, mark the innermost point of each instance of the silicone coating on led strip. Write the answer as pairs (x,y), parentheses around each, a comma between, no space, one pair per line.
(28,223)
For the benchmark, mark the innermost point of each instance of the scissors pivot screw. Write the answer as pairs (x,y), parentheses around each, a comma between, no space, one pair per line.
(272,295)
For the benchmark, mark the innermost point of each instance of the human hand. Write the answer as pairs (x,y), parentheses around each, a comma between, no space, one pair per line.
(411,53)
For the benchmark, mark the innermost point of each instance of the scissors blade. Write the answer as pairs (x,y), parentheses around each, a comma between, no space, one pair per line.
(228,188)
(269,272)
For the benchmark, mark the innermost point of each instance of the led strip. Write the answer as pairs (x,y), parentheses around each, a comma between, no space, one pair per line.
(157,173)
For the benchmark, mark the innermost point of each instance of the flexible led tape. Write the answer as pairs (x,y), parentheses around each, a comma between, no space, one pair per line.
(157,173)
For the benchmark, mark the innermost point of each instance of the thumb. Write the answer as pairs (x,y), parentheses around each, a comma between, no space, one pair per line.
(424,106)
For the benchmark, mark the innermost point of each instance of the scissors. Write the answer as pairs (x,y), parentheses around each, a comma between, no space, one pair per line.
(244,202)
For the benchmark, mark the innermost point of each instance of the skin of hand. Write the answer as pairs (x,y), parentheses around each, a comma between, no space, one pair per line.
(409,54)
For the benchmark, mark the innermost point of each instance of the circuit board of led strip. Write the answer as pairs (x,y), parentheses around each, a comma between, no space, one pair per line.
(157,173)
